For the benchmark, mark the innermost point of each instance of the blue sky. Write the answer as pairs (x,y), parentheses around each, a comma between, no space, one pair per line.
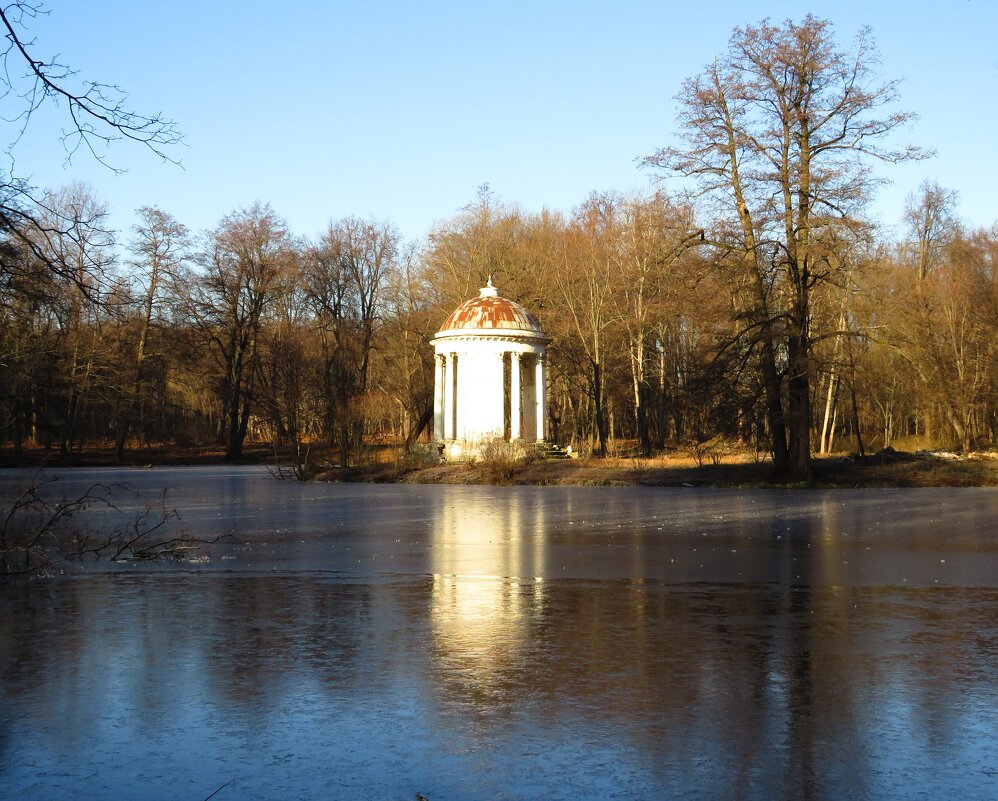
(401,110)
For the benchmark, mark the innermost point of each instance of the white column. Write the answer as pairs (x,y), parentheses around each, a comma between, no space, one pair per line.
(539,378)
(497,425)
(462,377)
(514,395)
(438,397)
(449,359)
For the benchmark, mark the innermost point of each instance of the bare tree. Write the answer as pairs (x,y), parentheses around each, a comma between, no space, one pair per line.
(587,277)
(405,366)
(777,130)
(656,233)
(160,246)
(367,252)
(292,369)
(98,114)
(326,288)
(479,242)
(239,269)
(40,231)
(82,247)
(932,221)
(945,327)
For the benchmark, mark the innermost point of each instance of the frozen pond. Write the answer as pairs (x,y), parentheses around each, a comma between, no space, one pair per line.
(474,643)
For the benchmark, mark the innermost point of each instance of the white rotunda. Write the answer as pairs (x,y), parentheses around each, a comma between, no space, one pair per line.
(489,375)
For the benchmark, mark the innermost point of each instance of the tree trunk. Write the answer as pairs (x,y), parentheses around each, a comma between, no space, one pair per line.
(140,355)
(601,432)
(424,420)
(960,428)
(774,406)
(234,443)
(855,420)
(661,407)
(799,410)
(828,420)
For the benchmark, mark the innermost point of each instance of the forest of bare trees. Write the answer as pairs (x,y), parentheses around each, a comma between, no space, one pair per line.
(762,309)
(248,331)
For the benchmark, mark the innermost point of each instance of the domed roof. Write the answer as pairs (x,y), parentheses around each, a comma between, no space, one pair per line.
(489,312)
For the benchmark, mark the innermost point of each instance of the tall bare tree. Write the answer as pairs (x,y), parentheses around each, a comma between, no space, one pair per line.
(367,253)
(657,232)
(239,270)
(945,327)
(479,242)
(83,251)
(159,248)
(405,371)
(931,219)
(587,276)
(778,131)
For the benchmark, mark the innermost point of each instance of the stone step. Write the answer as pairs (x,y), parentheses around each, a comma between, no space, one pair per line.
(554,452)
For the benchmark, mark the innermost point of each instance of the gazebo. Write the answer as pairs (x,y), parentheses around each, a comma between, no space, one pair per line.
(489,375)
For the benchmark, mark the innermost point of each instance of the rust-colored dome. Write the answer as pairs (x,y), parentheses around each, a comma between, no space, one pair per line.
(490,312)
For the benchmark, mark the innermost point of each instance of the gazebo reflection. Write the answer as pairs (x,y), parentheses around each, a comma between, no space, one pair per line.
(488,586)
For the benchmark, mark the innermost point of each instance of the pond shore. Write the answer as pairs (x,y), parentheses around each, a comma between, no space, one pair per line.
(887,470)
(386,464)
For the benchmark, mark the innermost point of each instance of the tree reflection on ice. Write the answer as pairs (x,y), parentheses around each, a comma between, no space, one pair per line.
(523,644)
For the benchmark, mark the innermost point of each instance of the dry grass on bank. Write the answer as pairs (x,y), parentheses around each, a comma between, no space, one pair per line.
(735,470)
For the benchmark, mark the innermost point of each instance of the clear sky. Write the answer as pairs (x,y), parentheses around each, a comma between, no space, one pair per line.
(402,109)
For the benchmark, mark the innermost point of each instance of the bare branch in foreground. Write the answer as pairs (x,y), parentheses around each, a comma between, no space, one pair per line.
(37,534)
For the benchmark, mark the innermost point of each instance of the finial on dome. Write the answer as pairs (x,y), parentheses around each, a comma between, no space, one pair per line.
(488,291)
